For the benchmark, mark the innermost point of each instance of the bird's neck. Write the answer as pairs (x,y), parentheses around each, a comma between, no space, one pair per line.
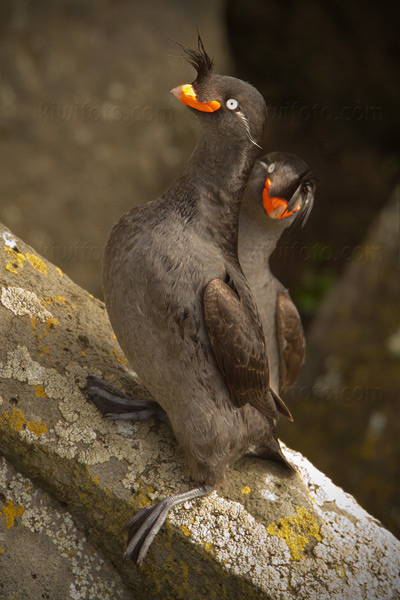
(256,244)
(216,176)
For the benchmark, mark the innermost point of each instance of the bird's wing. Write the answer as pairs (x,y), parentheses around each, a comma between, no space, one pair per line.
(238,347)
(291,343)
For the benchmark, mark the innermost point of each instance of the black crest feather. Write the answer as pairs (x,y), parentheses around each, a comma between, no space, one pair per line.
(199,59)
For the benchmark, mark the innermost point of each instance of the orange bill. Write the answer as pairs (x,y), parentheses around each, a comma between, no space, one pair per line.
(275,207)
(187,95)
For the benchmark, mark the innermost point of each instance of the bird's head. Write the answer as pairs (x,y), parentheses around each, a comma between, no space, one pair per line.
(225,105)
(283,185)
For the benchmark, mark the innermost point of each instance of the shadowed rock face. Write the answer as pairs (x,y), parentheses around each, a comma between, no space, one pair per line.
(263,535)
(329,75)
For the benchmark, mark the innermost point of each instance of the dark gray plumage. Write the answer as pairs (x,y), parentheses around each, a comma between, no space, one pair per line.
(181,307)
(290,181)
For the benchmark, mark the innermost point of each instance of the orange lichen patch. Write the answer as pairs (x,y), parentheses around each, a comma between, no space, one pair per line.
(15,420)
(39,428)
(119,358)
(39,391)
(11,512)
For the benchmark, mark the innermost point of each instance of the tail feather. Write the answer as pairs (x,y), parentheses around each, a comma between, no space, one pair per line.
(281,406)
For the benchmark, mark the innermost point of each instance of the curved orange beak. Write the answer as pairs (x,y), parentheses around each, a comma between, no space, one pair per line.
(276,208)
(187,95)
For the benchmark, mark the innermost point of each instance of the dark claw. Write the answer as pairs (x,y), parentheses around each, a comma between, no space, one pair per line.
(114,404)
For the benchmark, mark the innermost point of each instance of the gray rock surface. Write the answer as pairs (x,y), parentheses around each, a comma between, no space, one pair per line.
(263,535)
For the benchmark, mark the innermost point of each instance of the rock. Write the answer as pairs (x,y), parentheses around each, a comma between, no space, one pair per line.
(43,554)
(265,534)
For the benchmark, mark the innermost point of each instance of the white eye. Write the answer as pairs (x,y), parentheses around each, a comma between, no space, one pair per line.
(271,168)
(232,104)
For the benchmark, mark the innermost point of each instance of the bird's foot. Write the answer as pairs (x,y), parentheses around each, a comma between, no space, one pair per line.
(116,405)
(148,521)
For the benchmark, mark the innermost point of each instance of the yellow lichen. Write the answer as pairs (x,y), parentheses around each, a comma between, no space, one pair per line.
(143,501)
(59,271)
(119,358)
(60,300)
(246,490)
(185,530)
(1,550)
(11,512)
(36,263)
(37,427)
(39,391)
(15,420)
(51,323)
(17,260)
(297,531)
(43,350)
(41,330)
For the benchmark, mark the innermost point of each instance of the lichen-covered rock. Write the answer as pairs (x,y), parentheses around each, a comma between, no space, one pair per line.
(264,535)
(43,554)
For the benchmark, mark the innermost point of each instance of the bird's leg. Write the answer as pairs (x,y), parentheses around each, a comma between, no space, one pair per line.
(148,521)
(115,405)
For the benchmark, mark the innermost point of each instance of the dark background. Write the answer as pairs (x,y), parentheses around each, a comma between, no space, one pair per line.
(88,129)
